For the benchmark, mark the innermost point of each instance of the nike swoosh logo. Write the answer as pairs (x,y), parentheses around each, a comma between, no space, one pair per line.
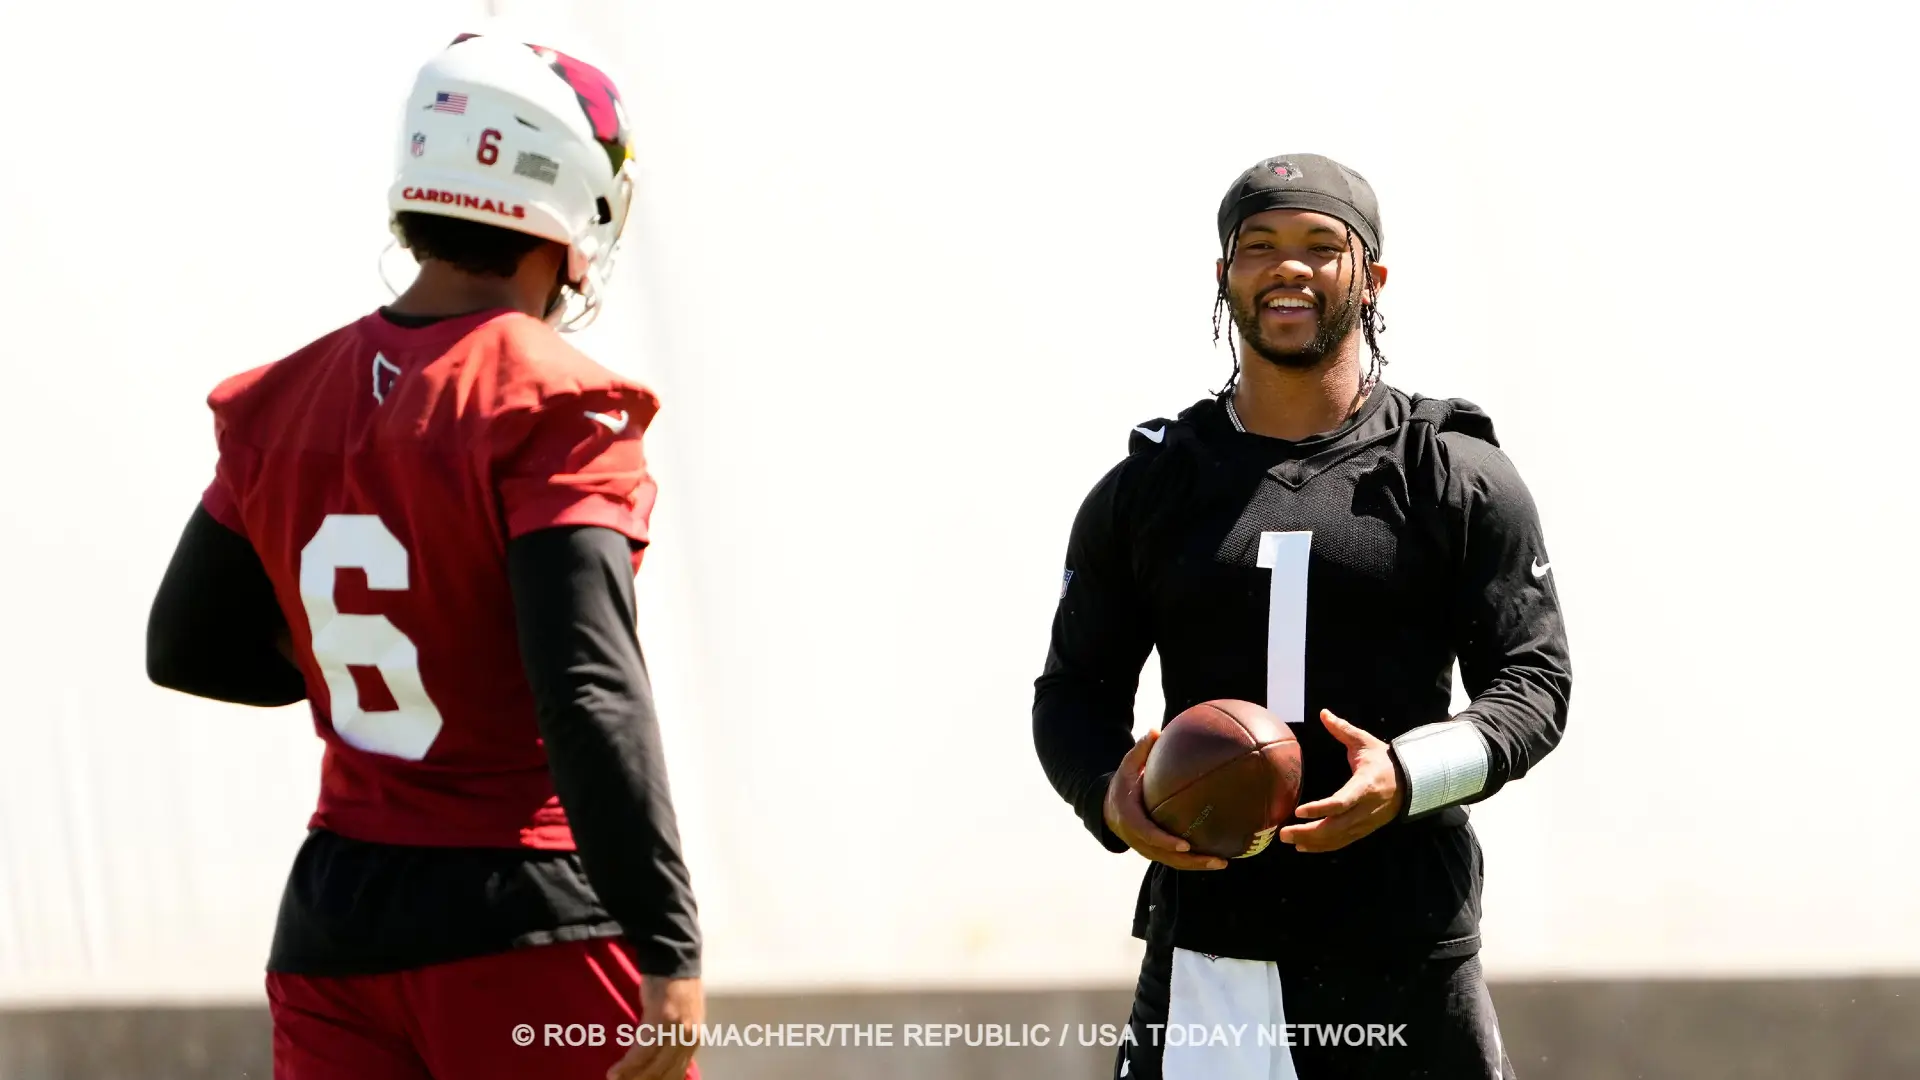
(614,422)
(1540,569)
(1156,436)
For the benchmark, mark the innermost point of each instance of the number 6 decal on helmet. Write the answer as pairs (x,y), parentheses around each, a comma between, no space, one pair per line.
(341,642)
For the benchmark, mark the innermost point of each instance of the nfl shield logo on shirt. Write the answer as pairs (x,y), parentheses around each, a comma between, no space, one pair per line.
(1068,580)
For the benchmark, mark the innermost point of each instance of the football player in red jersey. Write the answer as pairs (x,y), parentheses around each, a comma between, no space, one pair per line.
(426,524)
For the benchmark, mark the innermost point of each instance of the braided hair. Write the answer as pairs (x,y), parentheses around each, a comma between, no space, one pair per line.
(1372,323)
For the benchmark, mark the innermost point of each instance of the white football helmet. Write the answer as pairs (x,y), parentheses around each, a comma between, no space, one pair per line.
(526,138)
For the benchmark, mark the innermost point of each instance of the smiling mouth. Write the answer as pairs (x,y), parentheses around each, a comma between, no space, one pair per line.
(1289,306)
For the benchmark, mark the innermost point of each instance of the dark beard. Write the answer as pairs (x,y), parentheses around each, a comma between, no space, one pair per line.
(1334,328)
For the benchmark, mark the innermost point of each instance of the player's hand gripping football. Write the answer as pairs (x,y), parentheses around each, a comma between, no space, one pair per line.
(1368,800)
(1126,814)
(665,1004)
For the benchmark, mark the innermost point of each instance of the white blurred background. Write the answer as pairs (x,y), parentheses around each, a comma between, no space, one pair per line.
(904,276)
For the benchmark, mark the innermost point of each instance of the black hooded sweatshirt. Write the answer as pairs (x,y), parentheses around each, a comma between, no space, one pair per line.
(1426,548)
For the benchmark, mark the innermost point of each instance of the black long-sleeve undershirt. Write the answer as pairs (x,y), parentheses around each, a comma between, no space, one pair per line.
(573,598)
(215,627)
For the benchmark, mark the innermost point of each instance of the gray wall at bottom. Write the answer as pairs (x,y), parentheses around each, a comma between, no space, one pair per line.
(1814,1029)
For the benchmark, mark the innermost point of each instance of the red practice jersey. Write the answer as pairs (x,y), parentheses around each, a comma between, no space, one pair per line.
(379,473)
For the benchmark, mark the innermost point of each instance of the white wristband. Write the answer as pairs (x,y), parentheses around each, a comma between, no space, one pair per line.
(1444,763)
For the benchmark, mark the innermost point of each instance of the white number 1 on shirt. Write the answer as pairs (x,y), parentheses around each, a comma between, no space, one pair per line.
(1285,553)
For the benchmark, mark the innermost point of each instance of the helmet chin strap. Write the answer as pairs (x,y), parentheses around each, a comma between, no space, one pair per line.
(586,290)
(381,265)
(555,315)
(576,317)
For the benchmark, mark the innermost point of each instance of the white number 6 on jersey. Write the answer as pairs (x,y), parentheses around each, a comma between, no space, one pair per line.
(361,541)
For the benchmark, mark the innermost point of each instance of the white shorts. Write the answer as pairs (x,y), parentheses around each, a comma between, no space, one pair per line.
(1223,1016)
(1201,1017)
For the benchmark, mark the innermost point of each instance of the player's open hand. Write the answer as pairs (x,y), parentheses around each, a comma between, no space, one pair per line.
(665,1005)
(1126,814)
(1364,803)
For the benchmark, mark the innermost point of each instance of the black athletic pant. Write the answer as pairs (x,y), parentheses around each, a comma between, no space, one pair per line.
(1429,1020)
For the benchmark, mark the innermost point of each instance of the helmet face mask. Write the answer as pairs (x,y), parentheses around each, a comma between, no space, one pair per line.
(525,138)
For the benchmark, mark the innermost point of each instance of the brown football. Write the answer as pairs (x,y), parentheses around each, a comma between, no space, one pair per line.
(1224,776)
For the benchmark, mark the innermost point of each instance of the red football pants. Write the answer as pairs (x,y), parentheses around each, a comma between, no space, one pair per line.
(458,1021)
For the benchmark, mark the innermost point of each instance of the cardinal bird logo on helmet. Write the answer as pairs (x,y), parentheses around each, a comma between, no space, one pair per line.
(598,99)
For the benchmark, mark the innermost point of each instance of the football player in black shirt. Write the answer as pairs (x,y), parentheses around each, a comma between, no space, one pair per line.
(1323,543)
